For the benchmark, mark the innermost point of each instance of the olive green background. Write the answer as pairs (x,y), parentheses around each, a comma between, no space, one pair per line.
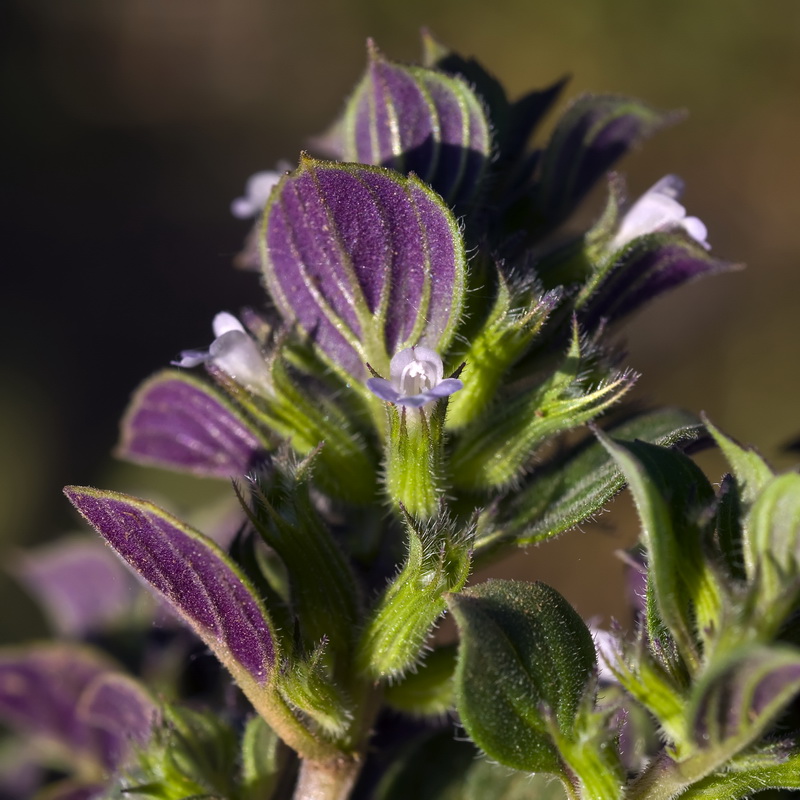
(129,125)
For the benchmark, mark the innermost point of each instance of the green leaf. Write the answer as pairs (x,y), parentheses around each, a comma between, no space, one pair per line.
(325,595)
(429,690)
(750,470)
(648,682)
(299,412)
(414,452)
(781,772)
(193,754)
(517,317)
(525,661)
(772,538)
(732,708)
(498,448)
(577,485)
(736,701)
(438,562)
(730,531)
(438,767)
(261,759)
(672,496)
(306,685)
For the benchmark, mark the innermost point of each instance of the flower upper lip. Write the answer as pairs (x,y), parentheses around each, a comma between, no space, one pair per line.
(656,210)
(415,379)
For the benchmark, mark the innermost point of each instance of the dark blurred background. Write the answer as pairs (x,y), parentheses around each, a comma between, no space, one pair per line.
(129,125)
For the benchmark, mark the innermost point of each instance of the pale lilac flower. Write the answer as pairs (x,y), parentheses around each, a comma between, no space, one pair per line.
(606,644)
(415,379)
(234,352)
(256,194)
(658,210)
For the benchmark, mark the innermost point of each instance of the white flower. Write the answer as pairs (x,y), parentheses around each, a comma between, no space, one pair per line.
(416,379)
(657,210)
(257,192)
(233,352)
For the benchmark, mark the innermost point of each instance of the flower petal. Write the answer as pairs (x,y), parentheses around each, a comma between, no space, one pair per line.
(191,358)
(414,400)
(445,388)
(383,389)
(224,322)
(237,355)
(257,192)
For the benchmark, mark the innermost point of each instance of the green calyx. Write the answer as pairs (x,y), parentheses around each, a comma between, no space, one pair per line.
(438,563)
(414,445)
(496,451)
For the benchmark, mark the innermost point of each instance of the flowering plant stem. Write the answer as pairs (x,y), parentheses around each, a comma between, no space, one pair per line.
(325,780)
(366,502)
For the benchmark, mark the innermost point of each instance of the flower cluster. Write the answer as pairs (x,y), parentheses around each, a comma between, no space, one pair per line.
(389,415)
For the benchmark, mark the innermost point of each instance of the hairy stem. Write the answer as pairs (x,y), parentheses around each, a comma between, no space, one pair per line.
(326,780)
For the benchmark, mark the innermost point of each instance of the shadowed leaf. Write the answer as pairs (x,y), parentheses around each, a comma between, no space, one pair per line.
(672,497)
(579,484)
(419,120)
(524,663)
(647,267)
(591,136)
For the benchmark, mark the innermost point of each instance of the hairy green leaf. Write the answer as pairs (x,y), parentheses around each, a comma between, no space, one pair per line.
(524,663)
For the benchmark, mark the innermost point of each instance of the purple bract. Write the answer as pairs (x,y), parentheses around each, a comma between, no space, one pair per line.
(80,584)
(365,261)
(186,568)
(419,120)
(649,266)
(75,699)
(594,133)
(177,422)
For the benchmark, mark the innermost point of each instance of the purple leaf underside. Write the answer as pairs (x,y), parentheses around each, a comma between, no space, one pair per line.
(654,265)
(186,568)
(419,120)
(177,422)
(79,583)
(365,261)
(55,691)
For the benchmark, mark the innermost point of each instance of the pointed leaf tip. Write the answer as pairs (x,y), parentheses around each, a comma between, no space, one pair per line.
(591,136)
(186,568)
